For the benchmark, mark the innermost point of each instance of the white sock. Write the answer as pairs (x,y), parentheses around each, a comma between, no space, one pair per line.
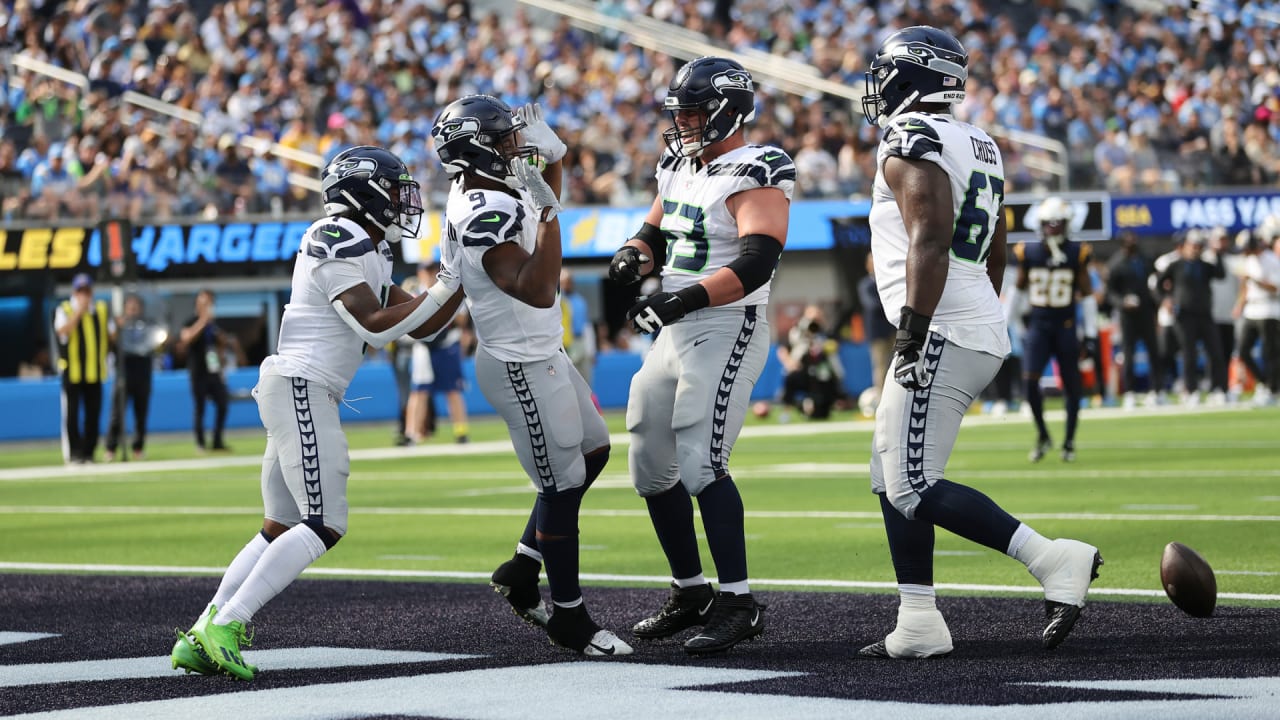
(522,549)
(281,564)
(917,597)
(1027,544)
(737,588)
(238,570)
(691,581)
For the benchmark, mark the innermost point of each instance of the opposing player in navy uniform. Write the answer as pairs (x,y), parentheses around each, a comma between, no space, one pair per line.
(938,239)
(503,236)
(1053,275)
(342,300)
(716,231)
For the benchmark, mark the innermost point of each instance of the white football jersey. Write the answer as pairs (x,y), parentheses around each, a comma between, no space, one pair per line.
(969,312)
(702,236)
(476,221)
(315,343)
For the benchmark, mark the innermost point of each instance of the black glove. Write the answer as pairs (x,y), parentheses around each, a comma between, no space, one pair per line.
(909,368)
(663,308)
(626,264)
(1089,347)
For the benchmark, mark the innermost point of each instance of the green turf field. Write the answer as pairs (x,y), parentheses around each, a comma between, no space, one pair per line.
(1210,480)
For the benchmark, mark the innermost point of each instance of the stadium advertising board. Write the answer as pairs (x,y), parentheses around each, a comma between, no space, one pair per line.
(200,250)
(1090,216)
(1169,214)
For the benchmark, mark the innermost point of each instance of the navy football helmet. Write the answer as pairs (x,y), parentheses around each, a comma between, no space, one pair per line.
(371,183)
(478,134)
(721,90)
(917,64)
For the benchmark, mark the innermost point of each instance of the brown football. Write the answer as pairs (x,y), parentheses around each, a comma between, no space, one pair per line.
(1188,580)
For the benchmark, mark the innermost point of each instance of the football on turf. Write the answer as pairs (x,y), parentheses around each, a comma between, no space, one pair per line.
(1188,580)
(761,409)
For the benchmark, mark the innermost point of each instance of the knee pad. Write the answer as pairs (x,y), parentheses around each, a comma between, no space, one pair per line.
(327,536)
(558,513)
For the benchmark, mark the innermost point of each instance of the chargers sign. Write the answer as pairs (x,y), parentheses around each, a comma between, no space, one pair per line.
(1166,215)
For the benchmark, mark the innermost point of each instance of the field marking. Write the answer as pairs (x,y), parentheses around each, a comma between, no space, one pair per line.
(660,580)
(1159,507)
(491,447)
(600,512)
(1252,573)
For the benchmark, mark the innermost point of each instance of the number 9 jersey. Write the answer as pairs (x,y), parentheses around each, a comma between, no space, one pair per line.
(969,313)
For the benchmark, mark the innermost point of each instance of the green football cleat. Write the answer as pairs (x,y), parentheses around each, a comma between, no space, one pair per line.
(191,657)
(222,643)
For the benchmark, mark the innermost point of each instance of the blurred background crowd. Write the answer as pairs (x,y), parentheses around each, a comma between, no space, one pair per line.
(1145,96)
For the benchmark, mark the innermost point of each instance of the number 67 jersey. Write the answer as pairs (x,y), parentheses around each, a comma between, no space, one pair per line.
(969,312)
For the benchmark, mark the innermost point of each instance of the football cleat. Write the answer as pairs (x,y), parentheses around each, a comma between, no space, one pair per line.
(1065,570)
(734,618)
(1043,446)
(573,628)
(517,581)
(919,634)
(685,608)
(189,656)
(1068,453)
(222,644)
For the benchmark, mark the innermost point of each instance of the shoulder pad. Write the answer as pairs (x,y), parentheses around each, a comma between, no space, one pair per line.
(913,137)
(500,219)
(768,166)
(331,239)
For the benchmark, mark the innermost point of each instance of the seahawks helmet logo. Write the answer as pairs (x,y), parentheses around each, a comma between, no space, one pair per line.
(732,80)
(353,166)
(458,127)
(923,54)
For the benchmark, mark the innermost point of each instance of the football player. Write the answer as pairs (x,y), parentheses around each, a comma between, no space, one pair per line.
(342,300)
(1053,274)
(715,231)
(938,239)
(503,236)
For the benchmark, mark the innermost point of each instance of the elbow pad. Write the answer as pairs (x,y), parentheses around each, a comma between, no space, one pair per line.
(437,295)
(757,262)
(652,236)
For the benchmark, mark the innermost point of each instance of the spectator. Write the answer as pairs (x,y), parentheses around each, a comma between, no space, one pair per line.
(138,341)
(1225,290)
(206,346)
(879,331)
(1187,281)
(445,354)
(85,331)
(1130,295)
(1258,307)
(579,331)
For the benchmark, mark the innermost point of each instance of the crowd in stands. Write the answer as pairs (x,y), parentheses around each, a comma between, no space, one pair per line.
(1143,101)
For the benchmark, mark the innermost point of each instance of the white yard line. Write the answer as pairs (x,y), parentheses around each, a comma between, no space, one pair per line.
(657,580)
(599,512)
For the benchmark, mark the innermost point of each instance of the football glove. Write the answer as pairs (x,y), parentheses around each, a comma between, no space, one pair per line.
(909,369)
(539,134)
(626,264)
(449,278)
(655,311)
(544,198)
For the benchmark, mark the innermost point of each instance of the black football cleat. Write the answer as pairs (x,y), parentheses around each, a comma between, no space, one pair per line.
(573,628)
(685,608)
(734,618)
(517,581)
